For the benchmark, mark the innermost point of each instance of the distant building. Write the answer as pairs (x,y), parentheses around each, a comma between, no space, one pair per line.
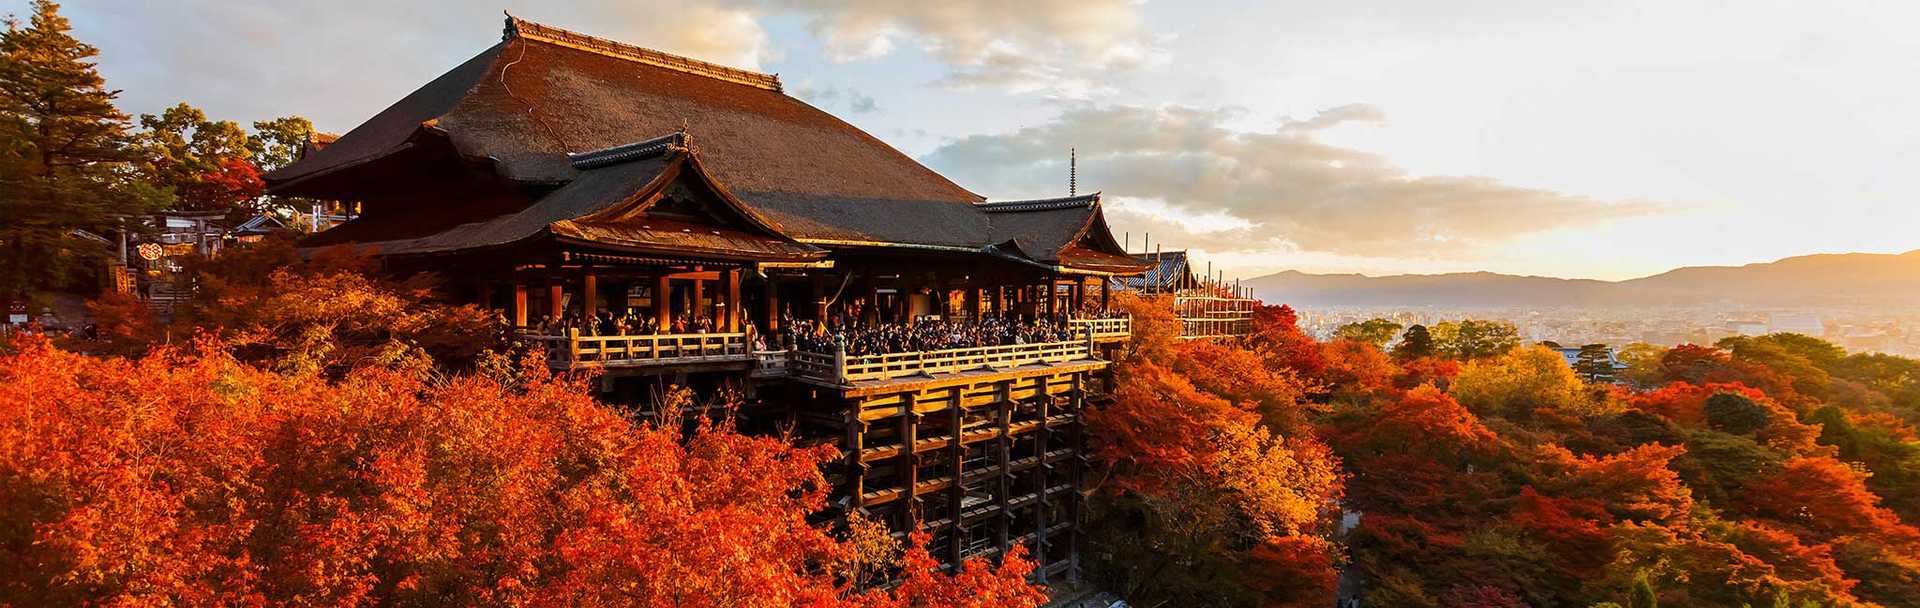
(1804,323)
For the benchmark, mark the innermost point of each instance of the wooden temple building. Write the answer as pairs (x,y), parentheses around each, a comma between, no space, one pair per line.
(557,174)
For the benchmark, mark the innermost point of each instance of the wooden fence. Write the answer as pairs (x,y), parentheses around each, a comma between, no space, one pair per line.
(574,350)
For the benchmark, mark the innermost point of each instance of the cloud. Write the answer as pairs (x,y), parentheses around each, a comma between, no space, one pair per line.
(1181,172)
(1058,47)
(1334,116)
(832,97)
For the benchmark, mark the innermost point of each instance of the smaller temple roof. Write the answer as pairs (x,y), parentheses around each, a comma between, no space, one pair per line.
(1165,271)
(1066,232)
(603,206)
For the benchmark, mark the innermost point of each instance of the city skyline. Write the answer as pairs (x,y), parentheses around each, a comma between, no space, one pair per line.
(1378,138)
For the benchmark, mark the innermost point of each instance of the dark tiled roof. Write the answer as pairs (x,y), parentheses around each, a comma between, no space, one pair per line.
(579,212)
(1166,270)
(529,100)
(1069,231)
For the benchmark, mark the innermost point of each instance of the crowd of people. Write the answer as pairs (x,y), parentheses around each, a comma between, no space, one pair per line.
(928,335)
(606,323)
(813,336)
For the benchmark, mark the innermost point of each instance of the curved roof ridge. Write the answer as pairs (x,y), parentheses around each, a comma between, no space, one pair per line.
(521,28)
(1041,204)
(639,150)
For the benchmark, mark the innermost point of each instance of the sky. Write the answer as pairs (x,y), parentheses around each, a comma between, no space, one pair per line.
(1575,139)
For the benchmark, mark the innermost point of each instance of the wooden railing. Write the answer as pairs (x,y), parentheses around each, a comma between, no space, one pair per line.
(1215,326)
(841,368)
(1117,328)
(574,350)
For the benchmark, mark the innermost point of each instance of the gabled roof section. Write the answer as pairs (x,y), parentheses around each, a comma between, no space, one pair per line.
(523,104)
(1166,271)
(1069,232)
(605,206)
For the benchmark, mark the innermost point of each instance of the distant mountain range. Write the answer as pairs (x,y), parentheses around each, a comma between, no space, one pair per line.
(1870,279)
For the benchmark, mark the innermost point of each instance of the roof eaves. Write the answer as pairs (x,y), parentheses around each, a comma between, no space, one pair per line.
(1045,204)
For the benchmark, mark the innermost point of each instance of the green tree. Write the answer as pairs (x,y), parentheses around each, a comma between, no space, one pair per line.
(206,163)
(1642,595)
(1643,363)
(1736,414)
(64,157)
(1377,332)
(277,143)
(1417,342)
(1473,339)
(1595,363)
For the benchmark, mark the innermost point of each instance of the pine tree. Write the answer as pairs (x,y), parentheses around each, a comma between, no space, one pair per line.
(1417,342)
(63,158)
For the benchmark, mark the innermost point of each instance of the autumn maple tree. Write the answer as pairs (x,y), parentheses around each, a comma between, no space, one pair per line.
(187,477)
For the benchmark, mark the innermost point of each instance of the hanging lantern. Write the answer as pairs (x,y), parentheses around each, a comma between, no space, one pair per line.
(149,251)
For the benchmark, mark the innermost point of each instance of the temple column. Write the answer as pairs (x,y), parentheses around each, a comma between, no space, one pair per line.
(1079,292)
(773,306)
(999,299)
(733,300)
(1106,294)
(662,301)
(973,302)
(589,295)
(519,304)
(695,310)
(556,298)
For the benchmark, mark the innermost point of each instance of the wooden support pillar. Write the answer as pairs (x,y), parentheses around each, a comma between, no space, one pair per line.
(1045,409)
(856,468)
(556,299)
(1079,292)
(957,491)
(1077,435)
(973,302)
(589,295)
(1106,294)
(519,304)
(733,300)
(909,463)
(999,299)
(663,301)
(1003,485)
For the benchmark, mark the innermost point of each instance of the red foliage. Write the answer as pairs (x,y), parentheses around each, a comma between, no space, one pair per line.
(1823,498)
(1637,484)
(1684,402)
(192,479)
(233,183)
(1158,426)
(1427,370)
(1481,596)
(1357,369)
(1277,336)
(1293,572)
(1572,528)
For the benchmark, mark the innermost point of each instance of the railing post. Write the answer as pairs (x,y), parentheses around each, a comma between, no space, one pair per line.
(840,359)
(573,345)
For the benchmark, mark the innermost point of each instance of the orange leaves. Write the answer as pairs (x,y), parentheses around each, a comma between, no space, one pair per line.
(1825,498)
(193,479)
(976,585)
(1637,484)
